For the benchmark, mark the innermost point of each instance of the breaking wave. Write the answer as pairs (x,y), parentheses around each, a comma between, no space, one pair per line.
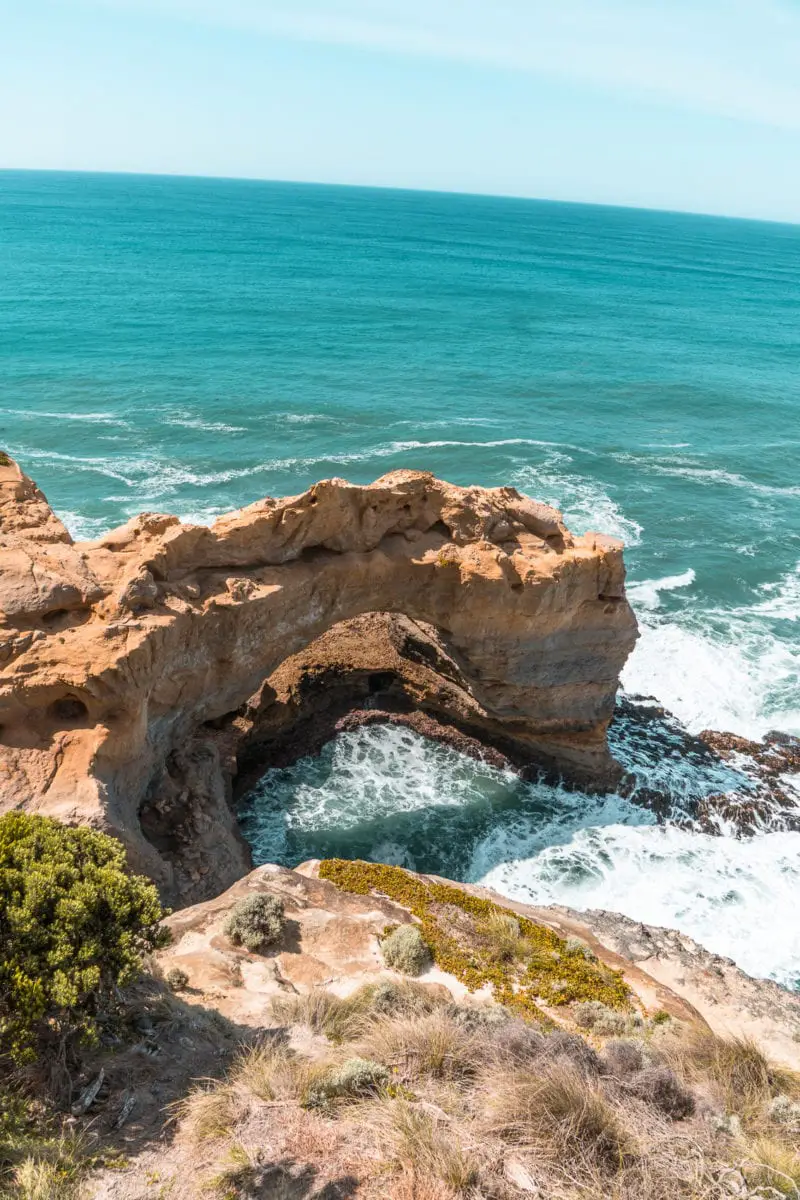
(386,794)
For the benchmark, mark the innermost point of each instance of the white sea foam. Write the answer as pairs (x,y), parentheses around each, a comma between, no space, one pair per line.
(717,670)
(688,468)
(782,599)
(388,794)
(84,529)
(647,593)
(293,418)
(190,422)
(93,418)
(449,422)
(585,504)
(737,897)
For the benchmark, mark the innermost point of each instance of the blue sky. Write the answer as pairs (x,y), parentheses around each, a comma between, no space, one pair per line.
(687,104)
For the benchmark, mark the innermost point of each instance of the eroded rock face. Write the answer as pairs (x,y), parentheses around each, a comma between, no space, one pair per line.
(133,668)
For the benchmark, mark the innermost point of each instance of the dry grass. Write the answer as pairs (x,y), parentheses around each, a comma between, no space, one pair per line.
(465,1094)
(426,1149)
(502,938)
(737,1070)
(314,1010)
(344,1019)
(235,1170)
(48,1170)
(774,1164)
(270,1072)
(433,1045)
(210,1111)
(560,1113)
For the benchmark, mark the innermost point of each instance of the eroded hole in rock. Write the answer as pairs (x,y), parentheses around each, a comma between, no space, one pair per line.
(440,527)
(70,710)
(380,681)
(66,618)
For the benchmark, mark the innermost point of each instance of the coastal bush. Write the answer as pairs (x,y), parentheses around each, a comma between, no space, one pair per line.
(405,950)
(623,1057)
(357,1077)
(74,924)
(576,945)
(176,979)
(660,1087)
(256,922)
(602,1020)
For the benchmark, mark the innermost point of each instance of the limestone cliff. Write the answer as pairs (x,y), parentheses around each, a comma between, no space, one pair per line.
(137,670)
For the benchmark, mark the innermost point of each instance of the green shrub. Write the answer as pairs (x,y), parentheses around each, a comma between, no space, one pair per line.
(176,979)
(73,927)
(405,950)
(256,922)
(5,461)
(594,1015)
(576,945)
(354,1078)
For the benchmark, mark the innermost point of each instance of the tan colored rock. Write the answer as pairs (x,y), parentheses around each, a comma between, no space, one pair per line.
(122,661)
(332,941)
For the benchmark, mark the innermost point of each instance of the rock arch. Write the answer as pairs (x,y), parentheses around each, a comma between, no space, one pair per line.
(133,697)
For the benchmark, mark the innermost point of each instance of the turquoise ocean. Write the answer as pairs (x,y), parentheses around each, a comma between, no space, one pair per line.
(188,346)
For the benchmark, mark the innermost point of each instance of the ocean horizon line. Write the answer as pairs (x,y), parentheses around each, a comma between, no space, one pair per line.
(604,206)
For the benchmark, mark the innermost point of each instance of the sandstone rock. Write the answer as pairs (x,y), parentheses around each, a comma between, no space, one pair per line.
(333,941)
(128,666)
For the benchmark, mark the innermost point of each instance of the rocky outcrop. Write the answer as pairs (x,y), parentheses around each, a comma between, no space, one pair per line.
(135,671)
(332,942)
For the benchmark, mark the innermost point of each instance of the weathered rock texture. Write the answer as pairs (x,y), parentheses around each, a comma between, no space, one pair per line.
(133,668)
(332,942)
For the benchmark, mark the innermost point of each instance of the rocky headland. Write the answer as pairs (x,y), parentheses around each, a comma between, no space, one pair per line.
(149,678)
(143,674)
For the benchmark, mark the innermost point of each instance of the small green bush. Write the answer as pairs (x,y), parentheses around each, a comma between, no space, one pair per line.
(176,979)
(256,922)
(605,1021)
(405,950)
(5,461)
(73,927)
(576,945)
(354,1078)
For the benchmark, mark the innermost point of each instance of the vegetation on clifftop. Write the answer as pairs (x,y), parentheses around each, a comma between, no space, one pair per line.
(417,1097)
(74,925)
(483,944)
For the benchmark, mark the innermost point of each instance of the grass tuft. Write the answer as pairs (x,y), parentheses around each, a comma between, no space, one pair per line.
(739,1071)
(434,1045)
(559,1112)
(427,1149)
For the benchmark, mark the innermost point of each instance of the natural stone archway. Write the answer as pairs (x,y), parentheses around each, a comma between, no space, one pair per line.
(127,664)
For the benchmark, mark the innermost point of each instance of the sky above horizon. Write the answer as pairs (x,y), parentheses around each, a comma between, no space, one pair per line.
(691,104)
